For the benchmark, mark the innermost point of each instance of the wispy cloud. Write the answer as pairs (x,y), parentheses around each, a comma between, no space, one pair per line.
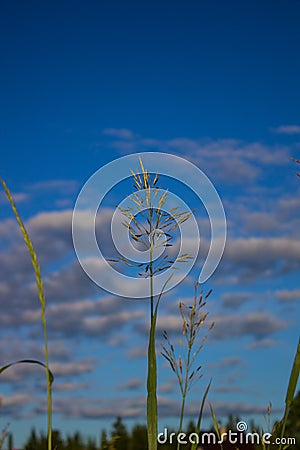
(288,295)
(74,368)
(234,300)
(137,352)
(13,405)
(19,197)
(132,384)
(229,361)
(64,186)
(254,257)
(263,343)
(258,325)
(286,129)
(121,133)
(229,161)
(69,386)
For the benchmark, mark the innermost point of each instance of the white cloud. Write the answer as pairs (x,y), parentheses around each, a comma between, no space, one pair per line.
(121,133)
(69,386)
(137,352)
(288,295)
(102,325)
(229,161)
(63,186)
(129,408)
(132,384)
(256,257)
(75,368)
(18,197)
(287,129)
(234,300)
(96,408)
(258,325)
(12,405)
(262,343)
(229,361)
(50,220)
(224,409)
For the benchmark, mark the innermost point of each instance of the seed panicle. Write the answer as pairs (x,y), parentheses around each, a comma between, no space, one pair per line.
(150,226)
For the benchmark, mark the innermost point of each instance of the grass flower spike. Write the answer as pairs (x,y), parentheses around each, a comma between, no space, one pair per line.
(185,367)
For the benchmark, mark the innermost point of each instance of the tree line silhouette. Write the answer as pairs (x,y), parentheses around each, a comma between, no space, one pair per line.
(120,438)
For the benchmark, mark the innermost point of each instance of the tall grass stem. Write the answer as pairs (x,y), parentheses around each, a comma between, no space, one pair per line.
(42,300)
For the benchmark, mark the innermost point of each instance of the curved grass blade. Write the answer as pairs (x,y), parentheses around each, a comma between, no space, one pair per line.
(216,426)
(28,361)
(291,391)
(197,430)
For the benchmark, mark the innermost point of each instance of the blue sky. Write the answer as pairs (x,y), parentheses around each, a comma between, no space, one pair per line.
(85,83)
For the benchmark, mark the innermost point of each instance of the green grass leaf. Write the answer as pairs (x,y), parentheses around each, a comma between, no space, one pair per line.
(291,390)
(197,430)
(28,361)
(216,425)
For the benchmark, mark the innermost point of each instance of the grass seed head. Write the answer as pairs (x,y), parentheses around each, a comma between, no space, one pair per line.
(147,223)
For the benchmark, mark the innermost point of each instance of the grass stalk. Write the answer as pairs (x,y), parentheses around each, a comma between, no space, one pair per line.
(151,241)
(42,300)
(184,390)
(144,221)
(184,368)
(152,414)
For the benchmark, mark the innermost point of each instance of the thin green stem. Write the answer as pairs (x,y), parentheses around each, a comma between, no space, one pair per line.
(49,389)
(184,391)
(181,418)
(152,369)
(151,242)
(152,388)
(151,283)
